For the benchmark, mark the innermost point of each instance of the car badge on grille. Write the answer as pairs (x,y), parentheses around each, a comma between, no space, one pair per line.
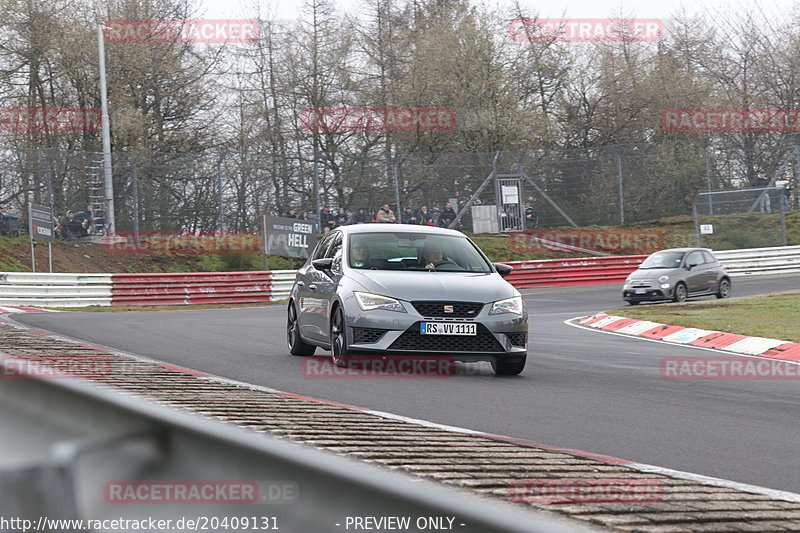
(448,309)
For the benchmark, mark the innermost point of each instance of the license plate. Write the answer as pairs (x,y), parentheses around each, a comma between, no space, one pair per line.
(447,328)
(640,291)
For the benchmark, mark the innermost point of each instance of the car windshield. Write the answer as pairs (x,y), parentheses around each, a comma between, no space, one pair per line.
(415,251)
(663,260)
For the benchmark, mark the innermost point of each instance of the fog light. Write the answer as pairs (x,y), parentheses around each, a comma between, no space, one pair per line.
(665,285)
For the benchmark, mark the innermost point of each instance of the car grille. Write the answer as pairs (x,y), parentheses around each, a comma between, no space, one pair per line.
(412,340)
(517,339)
(436,309)
(640,283)
(367,335)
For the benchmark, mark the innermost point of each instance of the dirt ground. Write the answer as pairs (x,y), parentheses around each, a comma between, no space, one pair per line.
(77,257)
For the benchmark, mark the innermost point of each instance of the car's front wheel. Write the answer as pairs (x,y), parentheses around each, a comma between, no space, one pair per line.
(296,344)
(338,337)
(680,293)
(509,368)
(724,288)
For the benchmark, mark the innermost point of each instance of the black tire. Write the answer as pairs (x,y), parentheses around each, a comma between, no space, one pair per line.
(633,302)
(681,294)
(724,288)
(338,336)
(293,339)
(509,368)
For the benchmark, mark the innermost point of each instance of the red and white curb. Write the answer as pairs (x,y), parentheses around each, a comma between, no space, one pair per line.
(703,338)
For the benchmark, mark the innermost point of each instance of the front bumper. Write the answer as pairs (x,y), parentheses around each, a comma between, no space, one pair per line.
(650,294)
(379,332)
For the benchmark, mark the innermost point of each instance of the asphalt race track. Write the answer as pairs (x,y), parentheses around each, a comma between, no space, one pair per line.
(581,389)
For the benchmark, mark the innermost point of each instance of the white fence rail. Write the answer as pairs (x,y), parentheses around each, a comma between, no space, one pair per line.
(760,261)
(54,290)
(282,281)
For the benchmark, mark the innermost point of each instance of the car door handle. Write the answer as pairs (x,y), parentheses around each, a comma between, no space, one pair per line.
(301,283)
(312,287)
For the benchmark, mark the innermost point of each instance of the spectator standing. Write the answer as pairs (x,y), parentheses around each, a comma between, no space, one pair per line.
(785,183)
(447,216)
(326,219)
(88,219)
(291,213)
(531,218)
(341,217)
(385,215)
(763,181)
(305,216)
(361,217)
(408,216)
(423,217)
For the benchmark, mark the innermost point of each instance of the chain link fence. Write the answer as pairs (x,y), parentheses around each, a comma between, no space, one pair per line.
(215,190)
(742,218)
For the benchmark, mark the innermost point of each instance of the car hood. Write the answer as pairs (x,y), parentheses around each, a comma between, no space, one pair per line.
(654,273)
(421,285)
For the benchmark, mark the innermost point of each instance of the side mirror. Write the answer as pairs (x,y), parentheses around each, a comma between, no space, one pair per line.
(691,266)
(503,270)
(323,264)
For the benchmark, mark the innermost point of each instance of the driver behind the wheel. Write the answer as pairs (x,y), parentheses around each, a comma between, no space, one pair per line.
(359,255)
(432,254)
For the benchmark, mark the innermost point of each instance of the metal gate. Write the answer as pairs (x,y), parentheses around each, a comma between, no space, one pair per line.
(511,214)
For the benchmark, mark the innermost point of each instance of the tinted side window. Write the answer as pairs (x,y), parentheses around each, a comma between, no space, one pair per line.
(319,253)
(335,252)
(694,258)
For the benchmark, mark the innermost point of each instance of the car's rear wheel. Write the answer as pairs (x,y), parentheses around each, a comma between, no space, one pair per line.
(724,288)
(509,368)
(338,338)
(296,344)
(680,293)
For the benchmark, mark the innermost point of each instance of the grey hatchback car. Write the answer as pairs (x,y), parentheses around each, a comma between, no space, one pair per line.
(677,274)
(391,289)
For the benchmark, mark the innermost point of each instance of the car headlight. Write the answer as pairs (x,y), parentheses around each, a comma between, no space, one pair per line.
(369,302)
(663,279)
(665,285)
(509,305)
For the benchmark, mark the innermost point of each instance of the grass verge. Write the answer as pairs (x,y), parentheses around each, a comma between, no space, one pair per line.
(774,315)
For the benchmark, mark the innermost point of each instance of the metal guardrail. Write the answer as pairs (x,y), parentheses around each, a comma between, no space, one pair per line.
(190,288)
(54,290)
(65,441)
(755,261)
(566,272)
